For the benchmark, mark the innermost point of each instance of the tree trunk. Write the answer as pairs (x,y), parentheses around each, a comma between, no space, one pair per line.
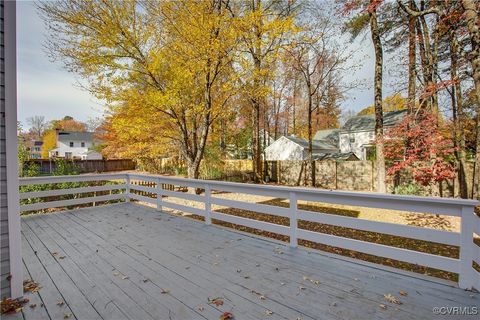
(256,156)
(381,175)
(193,169)
(412,72)
(310,137)
(458,115)
(471,16)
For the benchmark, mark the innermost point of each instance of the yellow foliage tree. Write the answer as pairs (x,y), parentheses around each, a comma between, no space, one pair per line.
(49,142)
(391,103)
(166,68)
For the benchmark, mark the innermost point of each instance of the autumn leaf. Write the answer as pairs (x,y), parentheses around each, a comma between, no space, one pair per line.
(216,301)
(12,305)
(268,312)
(226,316)
(165,291)
(392,299)
(60,303)
(30,286)
(403,293)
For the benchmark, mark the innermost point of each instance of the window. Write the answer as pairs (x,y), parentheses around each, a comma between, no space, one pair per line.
(68,155)
(83,144)
(71,144)
(352,139)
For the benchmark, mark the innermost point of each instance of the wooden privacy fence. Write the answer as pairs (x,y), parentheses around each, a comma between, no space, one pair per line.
(158,190)
(48,166)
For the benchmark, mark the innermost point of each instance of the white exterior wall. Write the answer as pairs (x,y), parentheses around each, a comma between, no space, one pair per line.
(77,150)
(362,138)
(284,149)
(92,156)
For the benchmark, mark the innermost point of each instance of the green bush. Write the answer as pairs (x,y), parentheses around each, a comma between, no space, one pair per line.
(410,189)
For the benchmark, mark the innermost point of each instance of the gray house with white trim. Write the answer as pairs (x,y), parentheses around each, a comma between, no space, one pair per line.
(11,258)
(358,133)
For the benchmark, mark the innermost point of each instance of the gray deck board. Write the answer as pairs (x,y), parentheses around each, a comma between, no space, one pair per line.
(119,259)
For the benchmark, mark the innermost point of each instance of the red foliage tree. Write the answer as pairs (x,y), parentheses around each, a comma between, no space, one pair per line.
(418,145)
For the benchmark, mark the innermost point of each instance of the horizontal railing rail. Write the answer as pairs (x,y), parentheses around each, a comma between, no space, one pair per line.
(157,190)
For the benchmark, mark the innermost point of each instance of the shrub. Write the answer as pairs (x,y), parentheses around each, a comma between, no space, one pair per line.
(410,189)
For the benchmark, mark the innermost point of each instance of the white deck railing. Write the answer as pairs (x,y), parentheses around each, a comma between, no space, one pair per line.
(126,187)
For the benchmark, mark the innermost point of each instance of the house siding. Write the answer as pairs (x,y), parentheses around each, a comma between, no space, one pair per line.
(10,257)
(361,138)
(283,149)
(5,257)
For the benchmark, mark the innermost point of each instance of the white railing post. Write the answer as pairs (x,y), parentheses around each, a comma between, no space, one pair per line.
(127,188)
(467,273)
(159,195)
(293,219)
(208,205)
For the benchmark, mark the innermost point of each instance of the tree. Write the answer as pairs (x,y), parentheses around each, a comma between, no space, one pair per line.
(471,15)
(49,142)
(356,25)
(38,125)
(166,64)
(394,102)
(68,124)
(319,60)
(264,26)
(418,146)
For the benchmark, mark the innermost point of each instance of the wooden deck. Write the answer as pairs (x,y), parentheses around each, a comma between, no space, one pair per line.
(128,261)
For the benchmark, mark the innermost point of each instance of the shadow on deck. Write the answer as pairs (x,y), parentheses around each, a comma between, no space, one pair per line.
(128,261)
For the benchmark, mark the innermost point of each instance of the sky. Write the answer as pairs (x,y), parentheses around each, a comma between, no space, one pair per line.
(46,89)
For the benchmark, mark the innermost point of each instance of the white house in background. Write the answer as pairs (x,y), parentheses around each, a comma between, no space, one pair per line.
(294,148)
(75,145)
(358,133)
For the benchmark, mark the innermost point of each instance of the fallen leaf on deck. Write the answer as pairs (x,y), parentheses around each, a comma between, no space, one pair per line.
(301,288)
(390,298)
(268,312)
(54,253)
(262,298)
(200,308)
(30,286)
(403,293)
(226,316)
(116,273)
(216,301)
(33,305)
(239,270)
(382,306)
(125,278)
(12,306)
(61,257)
(60,303)
(145,280)
(67,315)
(165,291)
